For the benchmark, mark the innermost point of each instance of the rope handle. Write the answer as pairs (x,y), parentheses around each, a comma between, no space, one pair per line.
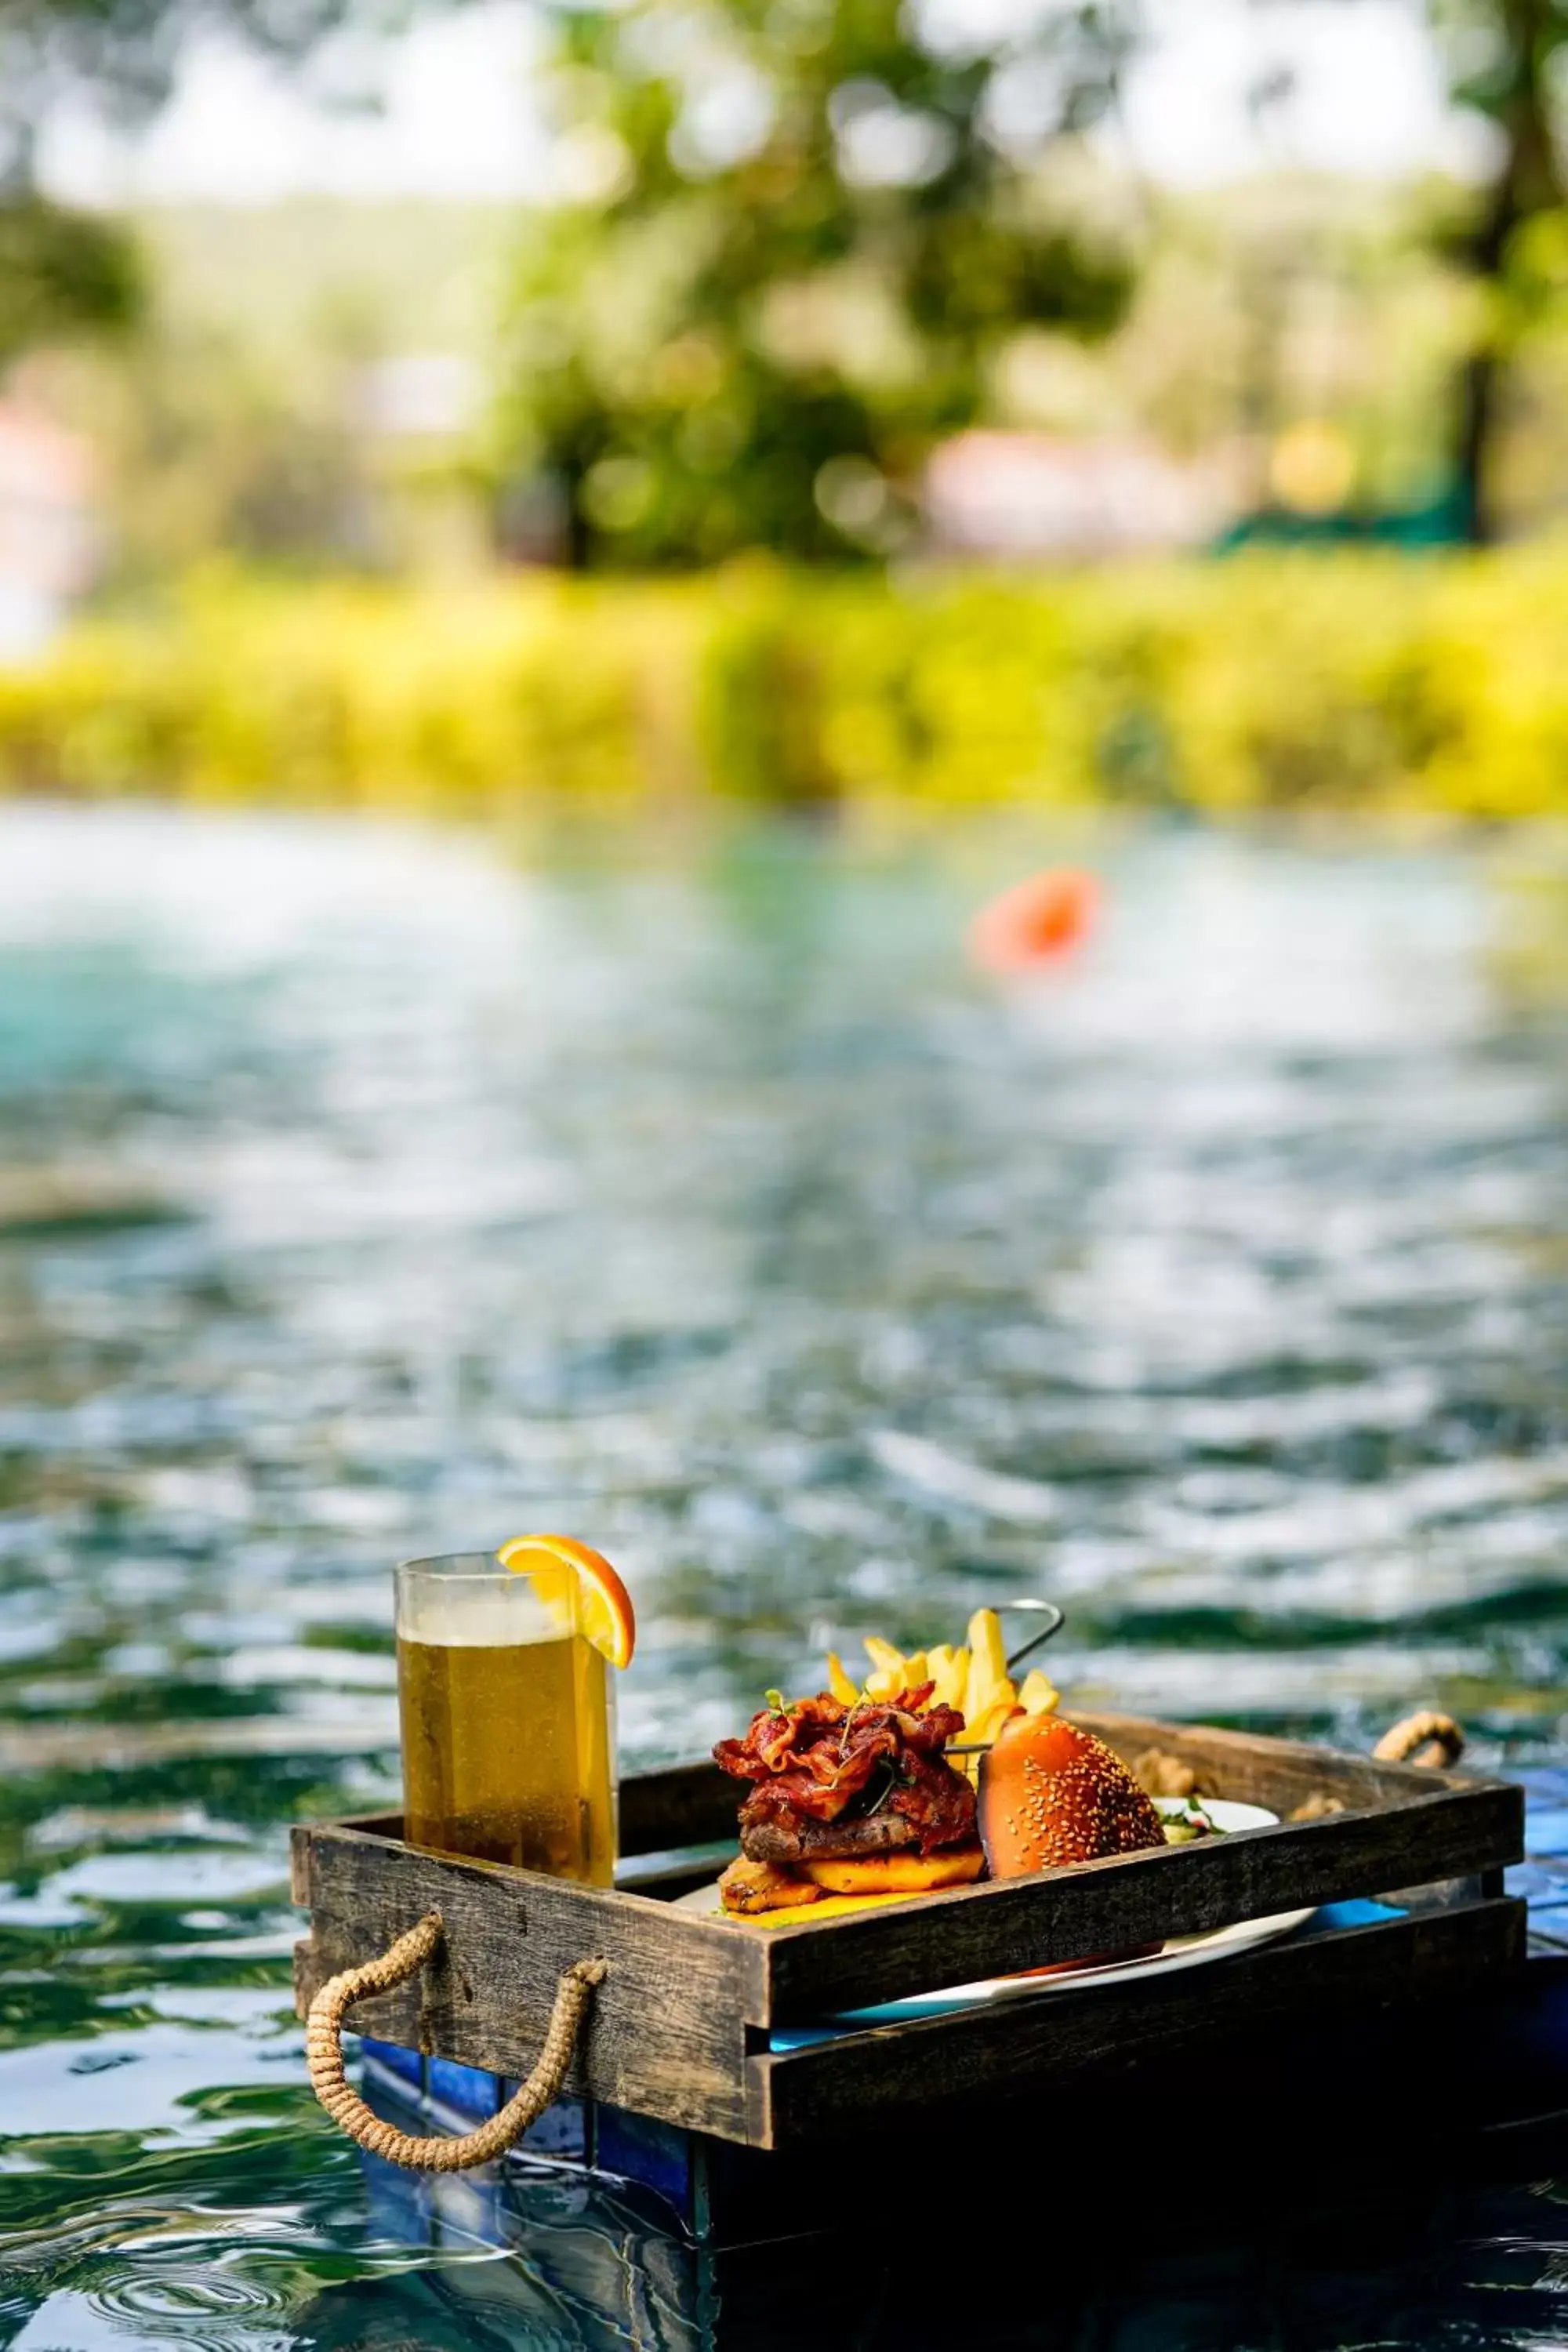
(1426,1737)
(325,2058)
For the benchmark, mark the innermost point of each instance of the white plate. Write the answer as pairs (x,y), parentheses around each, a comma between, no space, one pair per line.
(1181,1952)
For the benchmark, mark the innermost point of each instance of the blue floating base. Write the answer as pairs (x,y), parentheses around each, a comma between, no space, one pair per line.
(426,2094)
(446,2097)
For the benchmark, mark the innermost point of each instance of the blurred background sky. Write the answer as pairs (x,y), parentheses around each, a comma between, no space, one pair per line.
(459,116)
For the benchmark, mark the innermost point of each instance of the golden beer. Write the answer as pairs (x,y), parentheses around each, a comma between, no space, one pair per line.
(508,1749)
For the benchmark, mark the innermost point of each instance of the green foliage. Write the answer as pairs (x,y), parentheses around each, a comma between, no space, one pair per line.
(1506,60)
(1500,54)
(61,271)
(1356,682)
(235,417)
(346,693)
(62,274)
(803,238)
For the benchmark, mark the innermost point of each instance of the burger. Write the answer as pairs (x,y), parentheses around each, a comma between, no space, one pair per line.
(848,1800)
(1052,1795)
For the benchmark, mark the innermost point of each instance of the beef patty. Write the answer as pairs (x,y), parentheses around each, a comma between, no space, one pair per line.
(809,1841)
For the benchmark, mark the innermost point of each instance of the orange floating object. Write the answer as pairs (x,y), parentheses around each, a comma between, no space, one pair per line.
(1035,922)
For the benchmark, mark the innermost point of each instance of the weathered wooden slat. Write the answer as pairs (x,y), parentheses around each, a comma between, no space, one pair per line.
(667,2035)
(665,1878)
(687,1804)
(1124,1901)
(1069,2040)
(679,1805)
(671,1873)
(1254,1770)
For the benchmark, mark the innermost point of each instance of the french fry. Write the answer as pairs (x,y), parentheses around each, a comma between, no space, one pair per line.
(984,1730)
(838,1682)
(989,1722)
(973,1679)
(1038,1694)
(949,1670)
(988,1664)
(885,1659)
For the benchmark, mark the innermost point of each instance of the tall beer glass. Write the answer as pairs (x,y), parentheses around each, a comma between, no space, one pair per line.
(508,1719)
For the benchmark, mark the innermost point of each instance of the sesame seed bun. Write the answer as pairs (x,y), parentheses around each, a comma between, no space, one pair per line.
(1050,1793)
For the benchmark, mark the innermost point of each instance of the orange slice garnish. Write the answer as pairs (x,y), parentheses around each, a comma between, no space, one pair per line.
(569,1574)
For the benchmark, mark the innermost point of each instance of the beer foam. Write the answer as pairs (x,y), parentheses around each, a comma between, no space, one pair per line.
(461,1612)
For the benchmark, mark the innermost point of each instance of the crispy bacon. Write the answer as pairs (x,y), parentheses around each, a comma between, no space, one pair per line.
(817,1759)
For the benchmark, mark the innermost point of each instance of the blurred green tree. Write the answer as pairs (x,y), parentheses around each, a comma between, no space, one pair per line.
(798,236)
(1507,60)
(64,272)
(61,273)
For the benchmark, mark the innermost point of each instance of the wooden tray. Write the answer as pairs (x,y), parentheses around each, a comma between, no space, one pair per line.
(683,2023)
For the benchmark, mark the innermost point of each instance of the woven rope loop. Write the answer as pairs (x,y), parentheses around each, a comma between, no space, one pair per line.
(324,2059)
(1426,1737)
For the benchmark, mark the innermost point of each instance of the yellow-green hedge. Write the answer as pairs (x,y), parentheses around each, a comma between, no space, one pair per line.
(1265,681)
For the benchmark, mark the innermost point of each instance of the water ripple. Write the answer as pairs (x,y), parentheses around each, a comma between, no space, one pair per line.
(361,1195)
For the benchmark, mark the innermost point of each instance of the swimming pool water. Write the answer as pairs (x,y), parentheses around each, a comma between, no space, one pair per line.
(365,1191)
